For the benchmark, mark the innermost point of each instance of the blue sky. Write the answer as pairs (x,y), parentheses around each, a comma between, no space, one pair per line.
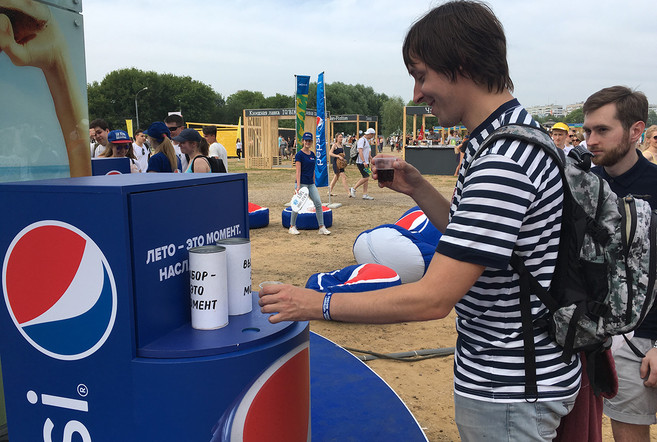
(559,51)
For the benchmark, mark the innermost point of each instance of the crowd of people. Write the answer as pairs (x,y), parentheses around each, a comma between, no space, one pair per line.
(166,146)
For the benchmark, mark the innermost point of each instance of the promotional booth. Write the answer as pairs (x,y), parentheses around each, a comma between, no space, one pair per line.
(96,336)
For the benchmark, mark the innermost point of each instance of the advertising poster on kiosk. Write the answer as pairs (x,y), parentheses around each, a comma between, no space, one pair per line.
(44,131)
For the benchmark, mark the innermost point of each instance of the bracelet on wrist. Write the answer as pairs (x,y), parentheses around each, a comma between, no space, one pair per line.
(326,306)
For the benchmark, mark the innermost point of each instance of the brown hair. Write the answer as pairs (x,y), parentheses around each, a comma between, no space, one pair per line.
(631,106)
(204,147)
(210,130)
(461,37)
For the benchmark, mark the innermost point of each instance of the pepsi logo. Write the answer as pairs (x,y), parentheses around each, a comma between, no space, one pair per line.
(372,273)
(276,407)
(413,221)
(59,290)
(113,172)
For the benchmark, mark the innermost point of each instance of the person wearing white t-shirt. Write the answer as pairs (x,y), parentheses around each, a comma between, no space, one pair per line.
(216,149)
(363,163)
(176,124)
(140,149)
(101,131)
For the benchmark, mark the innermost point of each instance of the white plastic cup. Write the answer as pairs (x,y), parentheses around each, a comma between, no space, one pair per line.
(208,288)
(238,262)
(264,283)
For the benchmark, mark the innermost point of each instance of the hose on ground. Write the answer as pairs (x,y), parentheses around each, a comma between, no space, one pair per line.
(407,356)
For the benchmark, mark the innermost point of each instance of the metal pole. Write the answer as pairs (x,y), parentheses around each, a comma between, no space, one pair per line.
(137,108)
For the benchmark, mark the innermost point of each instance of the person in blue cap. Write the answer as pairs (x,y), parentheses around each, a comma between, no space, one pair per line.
(305,177)
(120,146)
(164,157)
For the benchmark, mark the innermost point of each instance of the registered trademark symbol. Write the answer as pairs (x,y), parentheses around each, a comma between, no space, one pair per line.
(83,390)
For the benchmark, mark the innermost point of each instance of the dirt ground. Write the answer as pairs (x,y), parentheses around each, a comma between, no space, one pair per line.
(425,386)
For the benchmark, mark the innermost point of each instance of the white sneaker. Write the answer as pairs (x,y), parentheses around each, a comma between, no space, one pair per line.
(352,192)
(293,230)
(367,197)
(324,231)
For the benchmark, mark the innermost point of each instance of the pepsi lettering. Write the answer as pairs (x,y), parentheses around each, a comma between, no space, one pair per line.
(72,427)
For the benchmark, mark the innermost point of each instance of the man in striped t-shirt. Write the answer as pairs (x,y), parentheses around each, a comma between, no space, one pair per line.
(510,200)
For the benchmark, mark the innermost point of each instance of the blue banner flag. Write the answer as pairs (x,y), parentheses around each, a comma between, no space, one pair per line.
(321,169)
(303,85)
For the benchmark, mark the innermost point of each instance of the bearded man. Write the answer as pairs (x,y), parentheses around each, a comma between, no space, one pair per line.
(614,119)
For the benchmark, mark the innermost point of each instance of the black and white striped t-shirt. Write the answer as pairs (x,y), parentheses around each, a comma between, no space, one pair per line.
(510,199)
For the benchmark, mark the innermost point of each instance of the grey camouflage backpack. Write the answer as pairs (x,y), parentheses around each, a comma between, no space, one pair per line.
(604,280)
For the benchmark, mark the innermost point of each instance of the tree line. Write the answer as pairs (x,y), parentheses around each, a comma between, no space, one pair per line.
(113,99)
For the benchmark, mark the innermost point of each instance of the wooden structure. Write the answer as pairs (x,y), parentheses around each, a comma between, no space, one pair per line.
(260,144)
(424,111)
(353,118)
(227,135)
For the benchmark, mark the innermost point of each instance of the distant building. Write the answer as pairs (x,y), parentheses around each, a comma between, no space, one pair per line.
(555,110)
(558,111)
(573,107)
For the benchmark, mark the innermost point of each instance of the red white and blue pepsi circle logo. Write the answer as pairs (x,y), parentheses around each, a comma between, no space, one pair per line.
(414,221)
(59,289)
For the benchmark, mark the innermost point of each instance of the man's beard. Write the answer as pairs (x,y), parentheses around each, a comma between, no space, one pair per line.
(614,155)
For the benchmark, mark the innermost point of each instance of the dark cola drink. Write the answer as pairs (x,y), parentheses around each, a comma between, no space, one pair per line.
(385,175)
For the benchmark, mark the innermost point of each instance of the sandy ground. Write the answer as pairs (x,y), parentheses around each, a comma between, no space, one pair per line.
(425,386)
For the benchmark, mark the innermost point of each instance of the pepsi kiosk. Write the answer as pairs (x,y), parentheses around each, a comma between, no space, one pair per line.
(110,166)
(96,342)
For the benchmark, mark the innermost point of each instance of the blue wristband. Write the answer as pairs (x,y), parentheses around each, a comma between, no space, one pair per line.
(326,306)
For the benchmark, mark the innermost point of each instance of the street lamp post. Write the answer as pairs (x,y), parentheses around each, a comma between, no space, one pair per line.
(137,108)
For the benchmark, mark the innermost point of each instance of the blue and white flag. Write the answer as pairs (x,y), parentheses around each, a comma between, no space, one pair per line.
(321,169)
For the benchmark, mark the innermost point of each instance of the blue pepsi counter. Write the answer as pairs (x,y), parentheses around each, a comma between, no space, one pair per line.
(95,337)
(432,160)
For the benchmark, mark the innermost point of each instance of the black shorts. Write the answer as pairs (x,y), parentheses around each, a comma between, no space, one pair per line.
(363,173)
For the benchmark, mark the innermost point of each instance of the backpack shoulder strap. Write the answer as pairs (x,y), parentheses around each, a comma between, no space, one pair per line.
(522,132)
(207,160)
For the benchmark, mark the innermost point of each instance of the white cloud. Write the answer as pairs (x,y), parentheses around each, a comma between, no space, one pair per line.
(559,51)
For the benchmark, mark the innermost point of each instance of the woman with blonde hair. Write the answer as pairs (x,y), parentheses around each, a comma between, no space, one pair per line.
(649,146)
(164,157)
(120,146)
